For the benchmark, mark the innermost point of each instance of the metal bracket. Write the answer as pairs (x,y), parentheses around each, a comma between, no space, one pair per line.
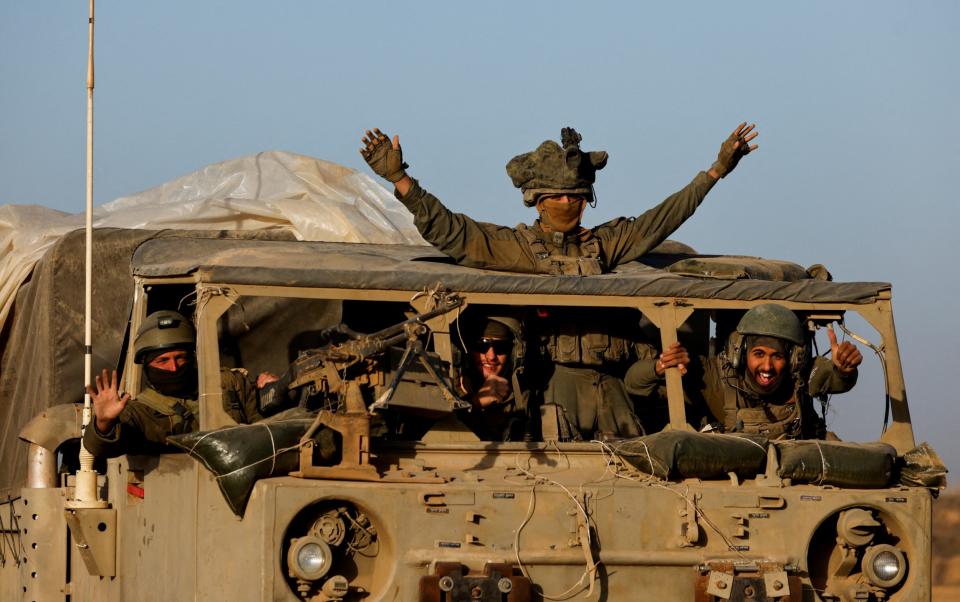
(94,533)
(720,584)
(770,477)
(776,583)
(689,527)
(452,581)
(414,350)
(761,581)
(354,428)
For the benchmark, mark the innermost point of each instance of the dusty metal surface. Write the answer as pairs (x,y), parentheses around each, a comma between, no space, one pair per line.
(45,540)
(93,532)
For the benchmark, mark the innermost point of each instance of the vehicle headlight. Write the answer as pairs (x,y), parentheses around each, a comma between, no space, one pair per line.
(309,558)
(884,565)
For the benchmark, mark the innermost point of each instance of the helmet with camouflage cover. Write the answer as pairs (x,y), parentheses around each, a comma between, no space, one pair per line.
(556,169)
(772,320)
(161,331)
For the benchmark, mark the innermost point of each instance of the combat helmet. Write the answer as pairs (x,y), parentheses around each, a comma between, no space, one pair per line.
(515,328)
(163,330)
(556,169)
(772,320)
(498,325)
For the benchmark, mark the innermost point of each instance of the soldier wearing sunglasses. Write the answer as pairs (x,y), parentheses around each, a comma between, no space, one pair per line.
(491,380)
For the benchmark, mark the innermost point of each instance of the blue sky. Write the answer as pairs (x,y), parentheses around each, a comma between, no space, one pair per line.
(856,105)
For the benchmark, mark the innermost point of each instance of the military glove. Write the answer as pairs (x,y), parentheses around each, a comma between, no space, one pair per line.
(730,154)
(383,159)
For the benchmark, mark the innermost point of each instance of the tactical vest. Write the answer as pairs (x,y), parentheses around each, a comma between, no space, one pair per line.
(590,263)
(183,414)
(794,419)
(232,402)
(587,337)
(577,339)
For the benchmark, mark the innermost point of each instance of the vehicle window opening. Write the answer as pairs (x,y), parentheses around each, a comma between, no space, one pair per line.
(844,416)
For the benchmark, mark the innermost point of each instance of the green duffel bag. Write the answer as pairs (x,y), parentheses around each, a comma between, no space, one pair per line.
(739,268)
(838,463)
(680,454)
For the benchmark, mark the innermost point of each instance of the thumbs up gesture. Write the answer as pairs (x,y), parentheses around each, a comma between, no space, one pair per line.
(846,356)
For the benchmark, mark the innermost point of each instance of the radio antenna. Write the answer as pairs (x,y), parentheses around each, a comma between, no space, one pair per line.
(85,492)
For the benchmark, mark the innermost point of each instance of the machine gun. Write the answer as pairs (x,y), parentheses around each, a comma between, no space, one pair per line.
(352,360)
(364,359)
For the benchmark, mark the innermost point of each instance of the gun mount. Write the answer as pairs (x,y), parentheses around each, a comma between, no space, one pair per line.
(340,370)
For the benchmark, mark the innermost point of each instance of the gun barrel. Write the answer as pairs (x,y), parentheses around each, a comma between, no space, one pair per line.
(449,303)
(359,346)
(373,345)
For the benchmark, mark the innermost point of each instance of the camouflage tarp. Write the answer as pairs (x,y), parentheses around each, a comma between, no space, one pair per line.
(41,343)
(281,195)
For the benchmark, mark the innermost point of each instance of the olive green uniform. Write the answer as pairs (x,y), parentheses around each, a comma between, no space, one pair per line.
(588,358)
(583,356)
(145,422)
(786,413)
(483,245)
(504,421)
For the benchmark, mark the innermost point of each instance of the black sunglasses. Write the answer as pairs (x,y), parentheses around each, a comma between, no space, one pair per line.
(500,346)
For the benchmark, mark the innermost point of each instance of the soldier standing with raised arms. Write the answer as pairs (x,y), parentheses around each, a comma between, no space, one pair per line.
(557,180)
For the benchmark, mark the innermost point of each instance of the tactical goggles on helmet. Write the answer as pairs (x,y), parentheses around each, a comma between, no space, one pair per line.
(500,346)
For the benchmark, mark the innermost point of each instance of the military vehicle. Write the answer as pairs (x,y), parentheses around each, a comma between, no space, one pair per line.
(444,516)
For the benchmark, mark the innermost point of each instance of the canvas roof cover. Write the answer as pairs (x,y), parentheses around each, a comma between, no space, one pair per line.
(400,267)
(273,194)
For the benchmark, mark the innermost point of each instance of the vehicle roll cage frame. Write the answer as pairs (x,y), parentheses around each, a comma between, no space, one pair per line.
(666,313)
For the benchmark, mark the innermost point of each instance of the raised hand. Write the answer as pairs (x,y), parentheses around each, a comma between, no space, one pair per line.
(734,148)
(674,356)
(494,390)
(265,378)
(846,357)
(384,157)
(107,401)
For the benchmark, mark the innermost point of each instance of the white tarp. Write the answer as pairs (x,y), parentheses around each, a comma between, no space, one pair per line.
(315,200)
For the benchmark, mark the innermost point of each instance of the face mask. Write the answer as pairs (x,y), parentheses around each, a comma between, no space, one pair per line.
(181,382)
(561,216)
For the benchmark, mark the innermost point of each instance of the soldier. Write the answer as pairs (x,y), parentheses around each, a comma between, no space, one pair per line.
(763,382)
(589,355)
(492,380)
(558,182)
(168,405)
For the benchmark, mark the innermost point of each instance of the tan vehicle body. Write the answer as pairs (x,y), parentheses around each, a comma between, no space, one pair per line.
(449,517)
